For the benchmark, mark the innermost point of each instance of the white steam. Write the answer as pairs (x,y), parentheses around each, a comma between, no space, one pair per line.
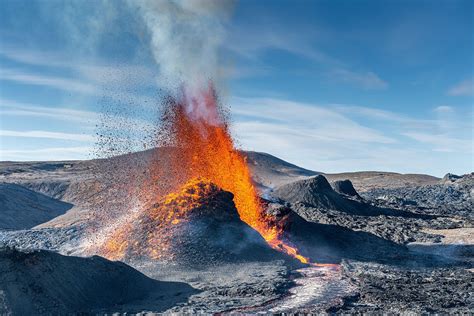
(186,36)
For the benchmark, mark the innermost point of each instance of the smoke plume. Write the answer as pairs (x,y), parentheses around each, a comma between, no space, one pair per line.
(185,40)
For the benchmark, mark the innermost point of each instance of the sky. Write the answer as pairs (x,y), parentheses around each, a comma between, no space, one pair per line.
(331,86)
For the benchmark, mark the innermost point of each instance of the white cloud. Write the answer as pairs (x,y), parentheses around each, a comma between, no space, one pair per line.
(11,107)
(309,135)
(442,109)
(47,134)
(118,82)
(252,41)
(51,154)
(87,119)
(367,80)
(465,87)
(38,58)
(442,142)
(98,72)
(331,138)
(62,83)
(306,119)
(446,118)
(117,93)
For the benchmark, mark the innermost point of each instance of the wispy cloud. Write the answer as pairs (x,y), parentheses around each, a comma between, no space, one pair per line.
(365,80)
(118,82)
(96,72)
(79,85)
(62,83)
(305,134)
(442,109)
(465,87)
(47,134)
(251,42)
(441,142)
(88,120)
(11,107)
(306,119)
(340,137)
(445,116)
(51,154)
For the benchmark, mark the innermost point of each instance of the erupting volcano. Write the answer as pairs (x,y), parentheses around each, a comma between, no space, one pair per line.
(195,226)
(194,127)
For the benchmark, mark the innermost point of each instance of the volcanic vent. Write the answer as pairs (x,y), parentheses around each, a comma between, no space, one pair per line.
(195,131)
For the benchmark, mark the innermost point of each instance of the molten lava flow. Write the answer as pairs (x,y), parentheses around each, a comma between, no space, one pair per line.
(195,130)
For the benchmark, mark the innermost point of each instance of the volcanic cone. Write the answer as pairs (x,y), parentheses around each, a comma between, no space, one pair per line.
(198,225)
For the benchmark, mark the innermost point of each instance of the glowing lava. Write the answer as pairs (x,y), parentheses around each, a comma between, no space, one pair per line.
(154,233)
(195,128)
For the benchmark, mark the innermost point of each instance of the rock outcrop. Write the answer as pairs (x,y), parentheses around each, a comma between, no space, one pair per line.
(345,187)
(318,193)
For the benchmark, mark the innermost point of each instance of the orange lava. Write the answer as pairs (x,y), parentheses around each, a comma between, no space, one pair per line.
(196,129)
(150,234)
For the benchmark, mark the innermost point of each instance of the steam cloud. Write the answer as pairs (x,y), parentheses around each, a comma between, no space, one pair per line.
(186,36)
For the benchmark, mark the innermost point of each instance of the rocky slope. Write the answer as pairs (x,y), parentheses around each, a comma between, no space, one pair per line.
(326,243)
(367,180)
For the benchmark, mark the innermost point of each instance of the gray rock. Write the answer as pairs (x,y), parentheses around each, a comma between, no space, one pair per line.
(345,187)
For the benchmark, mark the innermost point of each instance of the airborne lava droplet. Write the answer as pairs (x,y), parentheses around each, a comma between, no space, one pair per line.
(196,136)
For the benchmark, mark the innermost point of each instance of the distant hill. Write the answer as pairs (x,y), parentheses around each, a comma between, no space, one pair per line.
(367,180)
(270,171)
(89,183)
(22,208)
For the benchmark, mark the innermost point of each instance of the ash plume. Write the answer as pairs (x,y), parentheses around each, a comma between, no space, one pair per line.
(186,37)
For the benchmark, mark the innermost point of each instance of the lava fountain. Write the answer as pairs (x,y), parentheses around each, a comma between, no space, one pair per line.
(195,128)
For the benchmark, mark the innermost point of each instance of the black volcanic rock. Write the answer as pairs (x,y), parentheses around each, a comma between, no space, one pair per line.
(317,193)
(308,191)
(43,282)
(453,195)
(345,187)
(328,243)
(324,243)
(331,243)
(449,177)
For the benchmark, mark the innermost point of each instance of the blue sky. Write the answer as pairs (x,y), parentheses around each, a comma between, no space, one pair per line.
(329,85)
